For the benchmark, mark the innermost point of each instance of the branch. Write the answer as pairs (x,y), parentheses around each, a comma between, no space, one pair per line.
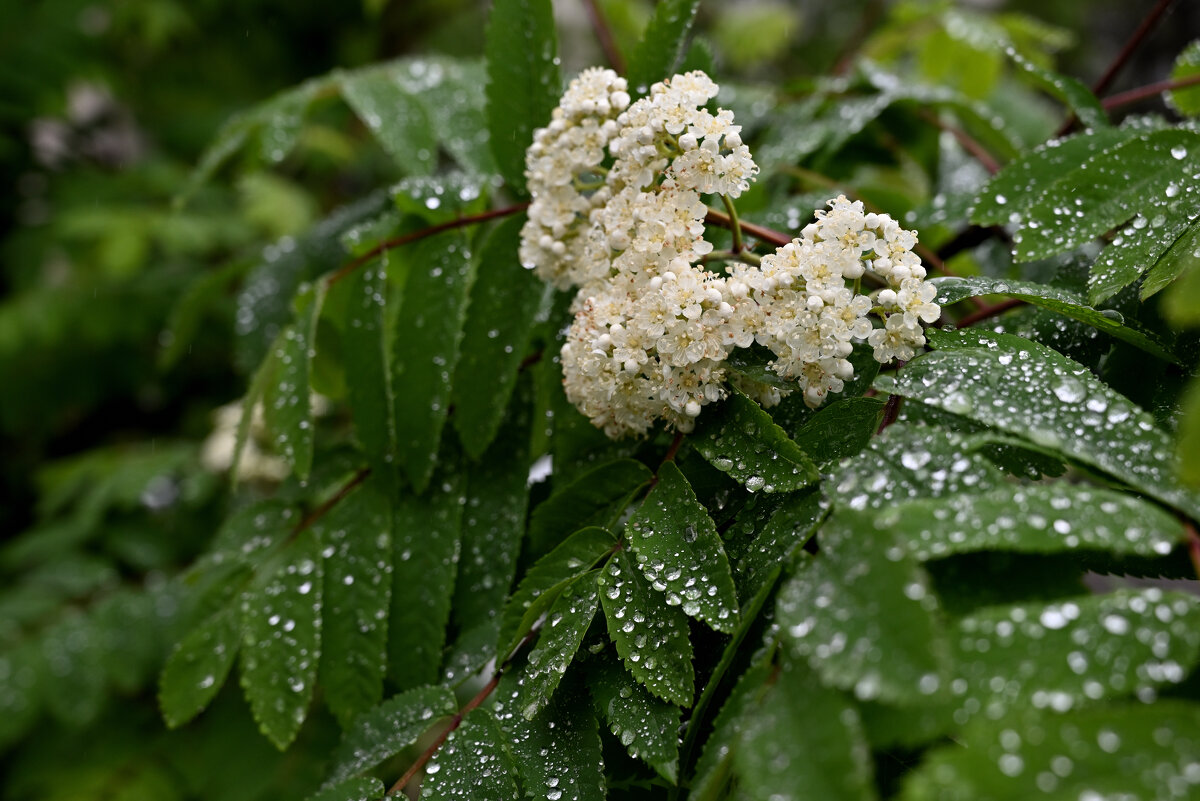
(968,142)
(604,36)
(989,311)
(1134,42)
(405,239)
(891,410)
(457,720)
(323,509)
(1150,90)
(1193,541)
(723,220)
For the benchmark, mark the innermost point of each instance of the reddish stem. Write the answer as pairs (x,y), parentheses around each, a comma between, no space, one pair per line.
(1135,41)
(1150,90)
(1193,539)
(969,143)
(414,236)
(989,311)
(723,220)
(323,509)
(604,36)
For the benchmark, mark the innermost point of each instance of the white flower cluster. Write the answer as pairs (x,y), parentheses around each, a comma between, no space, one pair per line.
(617,212)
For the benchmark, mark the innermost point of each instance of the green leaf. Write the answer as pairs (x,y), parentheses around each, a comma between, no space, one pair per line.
(365,788)
(645,725)
(1039,395)
(523,80)
(20,702)
(715,766)
(803,741)
(287,409)
(761,545)
(841,429)
(1070,653)
(281,638)
(547,578)
(251,530)
(473,765)
(1106,191)
(1119,751)
(1187,64)
(661,47)
(1078,97)
(369,386)
(596,498)
(680,553)
(1188,446)
(471,652)
(739,438)
(1011,193)
(651,637)
(558,753)
(395,115)
(73,686)
(494,520)
(426,537)
(912,461)
(425,348)
(1146,244)
(1183,256)
(560,637)
(754,363)
(386,730)
(1039,518)
(504,306)
(357,537)
(197,668)
(953,289)
(861,612)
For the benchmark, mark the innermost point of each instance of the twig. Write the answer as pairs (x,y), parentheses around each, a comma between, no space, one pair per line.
(1135,41)
(891,411)
(457,720)
(669,456)
(723,220)
(1150,90)
(969,143)
(414,236)
(604,36)
(323,509)
(989,311)
(1193,541)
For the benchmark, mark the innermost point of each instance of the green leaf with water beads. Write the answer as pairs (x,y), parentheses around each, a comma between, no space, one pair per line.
(1152,243)
(364,788)
(1187,65)
(953,289)
(841,429)
(426,539)
(647,726)
(861,612)
(1039,395)
(494,518)
(1107,190)
(197,668)
(287,408)
(715,766)
(1183,256)
(596,498)
(558,754)
(651,637)
(523,80)
(281,638)
(680,553)
(737,437)
(365,350)
(785,757)
(357,537)
(547,578)
(1072,653)
(912,461)
(473,765)
(1038,518)
(1011,193)
(382,732)
(1116,751)
(504,305)
(566,622)
(425,348)
(1071,91)
(395,115)
(661,46)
